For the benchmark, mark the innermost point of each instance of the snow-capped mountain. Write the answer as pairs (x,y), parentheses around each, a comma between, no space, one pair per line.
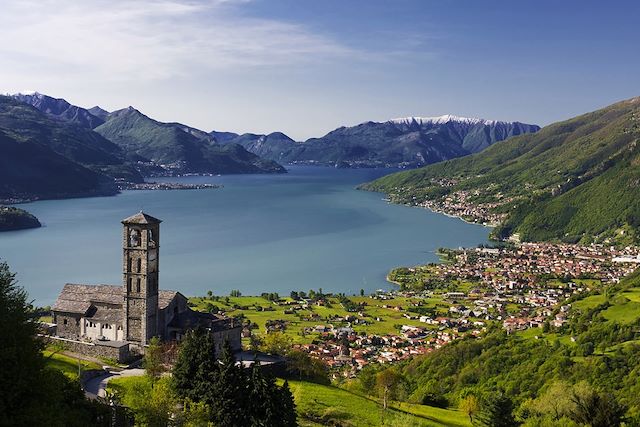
(409,141)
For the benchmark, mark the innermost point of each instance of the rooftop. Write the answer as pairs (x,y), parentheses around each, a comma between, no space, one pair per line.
(141,218)
(78,298)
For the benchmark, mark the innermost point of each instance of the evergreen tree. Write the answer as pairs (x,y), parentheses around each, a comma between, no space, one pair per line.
(287,406)
(196,369)
(30,393)
(229,392)
(496,411)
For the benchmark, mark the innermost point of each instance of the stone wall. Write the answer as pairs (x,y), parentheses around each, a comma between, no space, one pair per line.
(119,352)
(233,336)
(67,324)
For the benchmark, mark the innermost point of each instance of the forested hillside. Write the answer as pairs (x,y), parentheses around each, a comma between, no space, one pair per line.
(573,180)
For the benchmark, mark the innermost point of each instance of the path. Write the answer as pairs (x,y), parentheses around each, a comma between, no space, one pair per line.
(95,387)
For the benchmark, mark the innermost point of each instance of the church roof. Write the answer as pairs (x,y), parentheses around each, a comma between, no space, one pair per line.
(76,298)
(141,218)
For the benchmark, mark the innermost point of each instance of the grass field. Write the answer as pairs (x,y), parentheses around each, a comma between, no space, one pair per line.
(259,310)
(68,365)
(589,302)
(319,405)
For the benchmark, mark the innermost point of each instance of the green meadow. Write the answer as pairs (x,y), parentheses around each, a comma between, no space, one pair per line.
(382,316)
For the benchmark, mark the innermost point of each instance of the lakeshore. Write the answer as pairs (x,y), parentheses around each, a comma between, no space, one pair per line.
(307,229)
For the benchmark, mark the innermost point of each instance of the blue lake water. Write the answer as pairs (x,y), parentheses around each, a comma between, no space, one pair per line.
(307,229)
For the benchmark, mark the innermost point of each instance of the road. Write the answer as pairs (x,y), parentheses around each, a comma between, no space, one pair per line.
(95,387)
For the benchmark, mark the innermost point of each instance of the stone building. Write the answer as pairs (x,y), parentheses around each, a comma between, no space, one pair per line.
(134,312)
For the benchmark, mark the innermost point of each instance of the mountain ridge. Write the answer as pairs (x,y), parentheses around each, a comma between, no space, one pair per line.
(406,142)
(574,180)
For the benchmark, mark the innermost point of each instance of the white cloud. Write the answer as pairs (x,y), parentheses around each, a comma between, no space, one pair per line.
(131,40)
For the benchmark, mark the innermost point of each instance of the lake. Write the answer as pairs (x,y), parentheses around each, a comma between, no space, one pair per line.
(307,229)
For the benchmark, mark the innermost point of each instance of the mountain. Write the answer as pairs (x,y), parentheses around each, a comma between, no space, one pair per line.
(99,112)
(276,146)
(223,136)
(67,138)
(61,109)
(178,147)
(576,180)
(31,169)
(408,142)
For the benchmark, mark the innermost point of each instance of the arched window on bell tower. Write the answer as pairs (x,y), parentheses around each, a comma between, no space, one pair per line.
(129,284)
(139,265)
(138,285)
(129,265)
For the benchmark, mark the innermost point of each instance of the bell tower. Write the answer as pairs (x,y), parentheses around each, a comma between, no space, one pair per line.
(140,247)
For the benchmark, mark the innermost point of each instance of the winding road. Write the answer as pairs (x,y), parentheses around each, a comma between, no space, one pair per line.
(95,387)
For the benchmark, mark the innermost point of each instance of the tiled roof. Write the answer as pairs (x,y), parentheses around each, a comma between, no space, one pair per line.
(141,218)
(76,298)
(165,297)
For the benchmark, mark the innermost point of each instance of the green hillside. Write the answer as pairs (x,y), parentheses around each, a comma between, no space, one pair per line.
(573,180)
(31,170)
(81,145)
(179,147)
(319,405)
(595,354)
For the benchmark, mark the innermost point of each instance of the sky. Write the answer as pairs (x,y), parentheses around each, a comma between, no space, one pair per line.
(306,67)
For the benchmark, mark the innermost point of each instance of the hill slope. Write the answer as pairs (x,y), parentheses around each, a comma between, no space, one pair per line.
(179,147)
(412,141)
(29,169)
(595,354)
(573,180)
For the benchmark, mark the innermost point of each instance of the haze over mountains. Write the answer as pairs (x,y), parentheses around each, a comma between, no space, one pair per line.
(573,180)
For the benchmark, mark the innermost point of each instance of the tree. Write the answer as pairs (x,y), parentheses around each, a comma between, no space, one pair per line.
(224,392)
(594,408)
(304,366)
(277,343)
(361,292)
(196,366)
(228,392)
(496,411)
(470,406)
(30,392)
(152,402)
(153,359)
(387,382)
(271,405)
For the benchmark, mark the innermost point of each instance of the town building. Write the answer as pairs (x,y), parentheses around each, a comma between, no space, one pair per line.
(125,317)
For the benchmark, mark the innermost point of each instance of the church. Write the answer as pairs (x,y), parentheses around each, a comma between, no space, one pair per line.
(100,318)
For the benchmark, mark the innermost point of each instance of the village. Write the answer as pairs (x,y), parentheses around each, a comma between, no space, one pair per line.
(516,287)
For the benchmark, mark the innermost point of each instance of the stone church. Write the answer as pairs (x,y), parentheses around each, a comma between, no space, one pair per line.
(127,316)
